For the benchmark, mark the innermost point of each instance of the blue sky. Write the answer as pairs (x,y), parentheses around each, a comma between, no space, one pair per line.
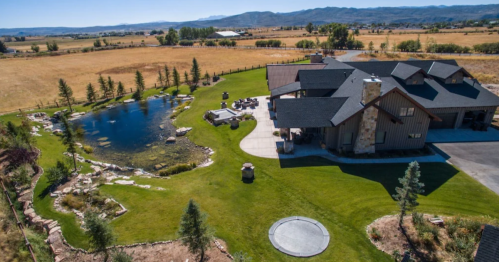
(71,13)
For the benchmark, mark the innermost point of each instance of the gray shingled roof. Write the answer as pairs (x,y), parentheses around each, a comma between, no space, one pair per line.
(442,70)
(307,112)
(281,75)
(323,78)
(289,88)
(436,94)
(404,71)
(385,68)
(488,250)
(335,64)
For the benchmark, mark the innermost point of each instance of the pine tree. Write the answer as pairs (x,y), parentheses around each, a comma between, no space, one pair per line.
(407,195)
(167,76)
(139,81)
(194,232)
(68,138)
(66,93)
(3,48)
(186,78)
(161,80)
(195,72)
(176,78)
(207,76)
(121,89)
(110,86)
(91,93)
(103,86)
(99,232)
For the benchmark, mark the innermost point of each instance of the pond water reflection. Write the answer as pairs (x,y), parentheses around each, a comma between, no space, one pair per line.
(135,134)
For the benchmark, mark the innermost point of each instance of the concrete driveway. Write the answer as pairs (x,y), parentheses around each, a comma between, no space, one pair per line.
(479,160)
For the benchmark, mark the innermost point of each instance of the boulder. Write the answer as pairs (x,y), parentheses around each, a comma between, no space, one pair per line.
(121,212)
(28,211)
(53,230)
(171,140)
(76,192)
(124,182)
(67,190)
(182,131)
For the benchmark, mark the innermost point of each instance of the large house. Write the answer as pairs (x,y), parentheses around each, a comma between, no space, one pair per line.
(377,105)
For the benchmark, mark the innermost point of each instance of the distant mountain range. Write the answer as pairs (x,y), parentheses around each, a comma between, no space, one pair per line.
(317,16)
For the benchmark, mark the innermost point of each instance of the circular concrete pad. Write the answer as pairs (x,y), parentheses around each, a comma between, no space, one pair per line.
(299,236)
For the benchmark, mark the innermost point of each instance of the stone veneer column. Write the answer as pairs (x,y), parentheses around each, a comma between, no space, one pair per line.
(366,138)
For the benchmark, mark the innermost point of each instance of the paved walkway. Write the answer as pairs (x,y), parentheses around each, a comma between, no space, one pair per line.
(262,143)
(461,135)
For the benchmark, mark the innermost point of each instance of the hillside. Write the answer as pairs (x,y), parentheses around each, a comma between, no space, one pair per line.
(317,16)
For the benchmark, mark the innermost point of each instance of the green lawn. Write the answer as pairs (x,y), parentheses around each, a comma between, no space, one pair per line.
(344,198)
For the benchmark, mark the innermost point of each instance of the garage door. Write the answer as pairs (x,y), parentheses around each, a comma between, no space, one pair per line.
(448,121)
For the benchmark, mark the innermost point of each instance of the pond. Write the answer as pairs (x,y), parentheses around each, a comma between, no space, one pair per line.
(134,135)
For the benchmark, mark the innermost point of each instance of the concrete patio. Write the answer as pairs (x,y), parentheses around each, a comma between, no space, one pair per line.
(262,143)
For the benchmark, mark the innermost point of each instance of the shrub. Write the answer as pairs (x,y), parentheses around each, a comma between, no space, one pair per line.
(186,43)
(176,169)
(276,133)
(206,83)
(73,202)
(88,149)
(305,44)
(247,116)
(210,43)
(375,235)
(417,219)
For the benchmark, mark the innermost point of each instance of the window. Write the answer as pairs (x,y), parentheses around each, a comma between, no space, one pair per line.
(347,138)
(380,137)
(406,111)
(454,80)
(414,136)
(415,82)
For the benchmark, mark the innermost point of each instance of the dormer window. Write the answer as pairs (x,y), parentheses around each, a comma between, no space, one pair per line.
(454,80)
(415,82)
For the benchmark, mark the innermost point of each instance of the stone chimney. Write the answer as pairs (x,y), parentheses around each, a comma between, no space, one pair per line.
(316,58)
(366,138)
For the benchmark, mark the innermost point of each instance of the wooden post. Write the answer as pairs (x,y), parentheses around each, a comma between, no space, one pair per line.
(57,104)
(131,90)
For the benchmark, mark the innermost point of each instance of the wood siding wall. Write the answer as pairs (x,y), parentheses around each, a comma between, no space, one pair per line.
(397,135)
(418,77)
(350,126)
(331,137)
(458,76)
(462,110)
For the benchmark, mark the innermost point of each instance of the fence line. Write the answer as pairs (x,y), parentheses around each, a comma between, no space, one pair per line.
(19,224)
(80,101)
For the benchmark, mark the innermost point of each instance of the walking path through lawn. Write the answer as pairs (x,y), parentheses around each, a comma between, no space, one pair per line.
(262,142)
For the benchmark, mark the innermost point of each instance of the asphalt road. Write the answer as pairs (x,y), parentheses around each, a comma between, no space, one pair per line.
(479,160)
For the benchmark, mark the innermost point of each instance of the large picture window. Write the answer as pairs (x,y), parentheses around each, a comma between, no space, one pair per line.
(380,137)
(347,138)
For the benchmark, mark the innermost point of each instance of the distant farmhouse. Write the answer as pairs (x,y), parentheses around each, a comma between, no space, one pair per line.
(377,105)
(224,34)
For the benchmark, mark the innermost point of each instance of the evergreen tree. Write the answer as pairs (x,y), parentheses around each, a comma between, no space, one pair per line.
(139,81)
(103,86)
(69,138)
(66,92)
(207,76)
(167,76)
(110,86)
(176,78)
(91,93)
(186,78)
(195,72)
(121,89)
(407,195)
(58,173)
(161,79)
(3,48)
(99,233)
(194,232)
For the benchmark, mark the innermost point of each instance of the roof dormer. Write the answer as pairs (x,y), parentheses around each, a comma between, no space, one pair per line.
(411,75)
(449,74)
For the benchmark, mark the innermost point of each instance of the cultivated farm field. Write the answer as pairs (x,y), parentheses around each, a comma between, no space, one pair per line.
(26,82)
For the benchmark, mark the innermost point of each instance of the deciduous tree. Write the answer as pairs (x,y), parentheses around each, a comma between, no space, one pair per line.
(171,38)
(3,48)
(371,47)
(194,232)
(407,195)
(309,28)
(66,92)
(35,48)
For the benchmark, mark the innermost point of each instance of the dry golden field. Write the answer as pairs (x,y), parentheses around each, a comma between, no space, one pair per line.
(27,81)
(484,68)
(456,38)
(69,43)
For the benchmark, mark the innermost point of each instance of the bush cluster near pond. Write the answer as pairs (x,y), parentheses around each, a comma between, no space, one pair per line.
(344,198)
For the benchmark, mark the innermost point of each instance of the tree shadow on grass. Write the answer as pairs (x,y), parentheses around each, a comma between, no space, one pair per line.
(433,175)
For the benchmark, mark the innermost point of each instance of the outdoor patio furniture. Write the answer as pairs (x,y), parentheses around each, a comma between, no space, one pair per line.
(237,103)
(248,99)
(243,105)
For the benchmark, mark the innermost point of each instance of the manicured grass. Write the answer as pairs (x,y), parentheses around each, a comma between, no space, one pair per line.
(344,198)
